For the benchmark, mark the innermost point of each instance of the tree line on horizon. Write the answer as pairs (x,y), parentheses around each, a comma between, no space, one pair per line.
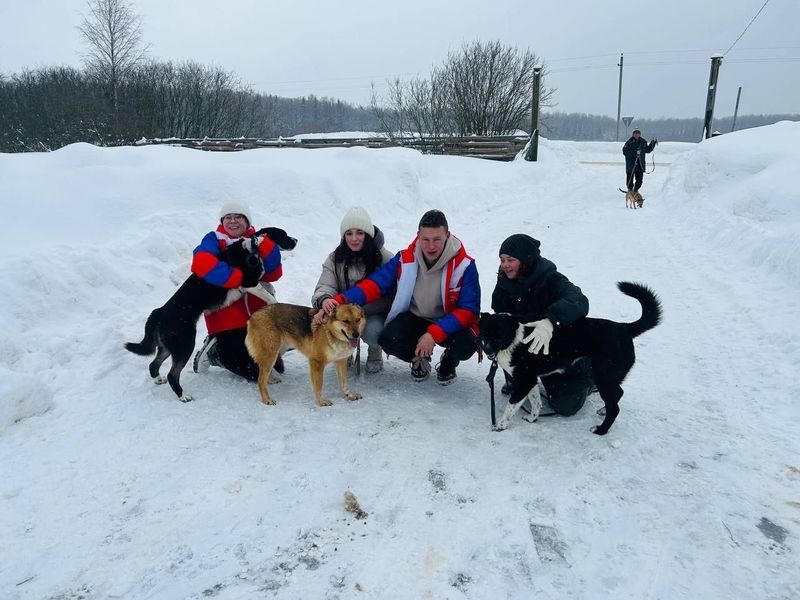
(120,96)
(47,108)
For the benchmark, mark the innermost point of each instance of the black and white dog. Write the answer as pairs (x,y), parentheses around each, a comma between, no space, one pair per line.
(608,345)
(171,329)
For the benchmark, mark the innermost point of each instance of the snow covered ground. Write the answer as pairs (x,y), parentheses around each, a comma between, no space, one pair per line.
(110,488)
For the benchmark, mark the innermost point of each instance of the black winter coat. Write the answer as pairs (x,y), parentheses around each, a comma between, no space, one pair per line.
(630,149)
(543,293)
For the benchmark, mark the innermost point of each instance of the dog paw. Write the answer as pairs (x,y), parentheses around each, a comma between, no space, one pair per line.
(351,395)
(268,401)
(185,398)
(531,418)
(273,379)
(501,426)
(159,380)
(597,430)
(324,402)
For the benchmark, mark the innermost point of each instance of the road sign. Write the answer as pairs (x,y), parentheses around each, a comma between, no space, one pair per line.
(627,120)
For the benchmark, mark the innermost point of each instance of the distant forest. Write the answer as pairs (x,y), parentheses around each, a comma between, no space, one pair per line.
(583,127)
(47,108)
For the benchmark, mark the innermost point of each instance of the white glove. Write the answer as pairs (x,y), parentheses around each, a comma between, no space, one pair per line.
(540,337)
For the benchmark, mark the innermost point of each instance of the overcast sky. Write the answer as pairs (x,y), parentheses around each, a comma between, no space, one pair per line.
(336,49)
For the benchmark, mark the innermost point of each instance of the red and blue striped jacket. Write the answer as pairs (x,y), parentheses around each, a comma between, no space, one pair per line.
(461,292)
(207,265)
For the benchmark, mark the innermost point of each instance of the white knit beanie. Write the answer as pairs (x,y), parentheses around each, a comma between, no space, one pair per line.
(357,218)
(235,207)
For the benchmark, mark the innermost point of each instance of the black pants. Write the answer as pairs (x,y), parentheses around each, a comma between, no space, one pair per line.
(233,354)
(566,392)
(399,338)
(637,174)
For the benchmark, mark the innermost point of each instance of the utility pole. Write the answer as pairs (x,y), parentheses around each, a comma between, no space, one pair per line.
(736,110)
(619,95)
(716,60)
(533,146)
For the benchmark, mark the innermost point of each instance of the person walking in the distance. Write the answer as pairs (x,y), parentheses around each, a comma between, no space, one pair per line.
(634,150)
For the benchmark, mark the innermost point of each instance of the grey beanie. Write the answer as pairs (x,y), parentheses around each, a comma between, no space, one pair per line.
(357,218)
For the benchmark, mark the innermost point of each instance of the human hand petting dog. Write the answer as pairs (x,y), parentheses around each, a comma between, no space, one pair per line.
(328,306)
(539,338)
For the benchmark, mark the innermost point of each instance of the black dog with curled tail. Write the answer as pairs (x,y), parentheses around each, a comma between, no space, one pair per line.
(607,344)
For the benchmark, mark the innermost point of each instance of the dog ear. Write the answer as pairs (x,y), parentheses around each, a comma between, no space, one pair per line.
(279,236)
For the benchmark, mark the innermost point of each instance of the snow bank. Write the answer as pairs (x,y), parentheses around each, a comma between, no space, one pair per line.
(741,190)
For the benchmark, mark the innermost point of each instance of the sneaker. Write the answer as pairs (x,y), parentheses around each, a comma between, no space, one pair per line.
(207,356)
(421,368)
(374,362)
(446,369)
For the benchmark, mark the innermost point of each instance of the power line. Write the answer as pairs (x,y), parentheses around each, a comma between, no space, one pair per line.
(746,28)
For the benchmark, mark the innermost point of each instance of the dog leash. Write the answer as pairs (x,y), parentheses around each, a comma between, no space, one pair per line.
(490,381)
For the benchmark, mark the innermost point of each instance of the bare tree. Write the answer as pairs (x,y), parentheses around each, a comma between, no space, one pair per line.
(483,89)
(113,35)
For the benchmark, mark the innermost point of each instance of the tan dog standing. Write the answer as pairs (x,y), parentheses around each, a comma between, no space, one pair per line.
(280,325)
(633,199)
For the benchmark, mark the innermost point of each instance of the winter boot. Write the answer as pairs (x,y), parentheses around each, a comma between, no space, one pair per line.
(446,369)
(207,356)
(374,362)
(421,368)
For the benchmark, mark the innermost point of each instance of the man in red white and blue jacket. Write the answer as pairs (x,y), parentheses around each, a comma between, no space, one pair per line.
(437,300)
(227,327)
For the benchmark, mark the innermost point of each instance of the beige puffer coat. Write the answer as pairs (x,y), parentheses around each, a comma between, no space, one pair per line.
(332,281)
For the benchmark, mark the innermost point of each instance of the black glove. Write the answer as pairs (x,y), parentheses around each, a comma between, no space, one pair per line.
(251,274)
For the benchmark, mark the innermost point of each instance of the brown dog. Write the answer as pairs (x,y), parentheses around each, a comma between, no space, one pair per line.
(633,199)
(280,325)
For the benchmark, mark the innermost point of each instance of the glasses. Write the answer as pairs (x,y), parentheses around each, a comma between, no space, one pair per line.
(234,217)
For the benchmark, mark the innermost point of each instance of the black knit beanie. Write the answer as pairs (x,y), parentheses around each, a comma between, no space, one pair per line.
(522,247)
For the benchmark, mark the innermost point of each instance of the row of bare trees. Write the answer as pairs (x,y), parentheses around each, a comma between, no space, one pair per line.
(485,88)
(45,109)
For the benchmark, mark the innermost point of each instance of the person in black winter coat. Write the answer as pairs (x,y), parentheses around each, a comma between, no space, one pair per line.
(634,150)
(530,286)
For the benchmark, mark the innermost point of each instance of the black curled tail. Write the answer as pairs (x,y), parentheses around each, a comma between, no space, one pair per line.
(651,307)
(148,344)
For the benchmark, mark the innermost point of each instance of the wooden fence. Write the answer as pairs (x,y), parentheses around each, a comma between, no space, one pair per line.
(504,147)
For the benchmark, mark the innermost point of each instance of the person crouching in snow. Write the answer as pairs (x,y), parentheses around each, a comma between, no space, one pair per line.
(530,286)
(437,300)
(359,253)
(227,326)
